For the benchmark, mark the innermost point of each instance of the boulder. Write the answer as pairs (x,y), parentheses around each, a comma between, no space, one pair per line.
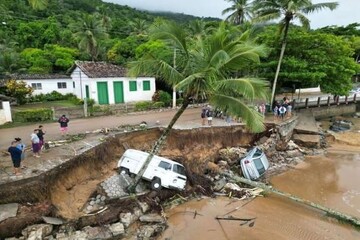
(128,218)
(8,210)
(78,235)
(293,153)
(148,231)
(37,231)
(144,207)
(219,184)
(152,218)
(97,232)
(117,229)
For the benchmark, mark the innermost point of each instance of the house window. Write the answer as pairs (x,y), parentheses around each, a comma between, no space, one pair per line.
(73,84)
(146,85)
(133,86)
(36,86)
(61,85)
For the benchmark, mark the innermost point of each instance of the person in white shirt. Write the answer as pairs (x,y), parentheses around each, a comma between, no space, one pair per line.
(35,141)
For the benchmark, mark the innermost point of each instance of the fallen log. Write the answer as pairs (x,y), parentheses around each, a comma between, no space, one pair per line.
(332,213)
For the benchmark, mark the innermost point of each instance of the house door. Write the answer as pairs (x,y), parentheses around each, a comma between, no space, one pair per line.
(87,92)
(103,94)
(118,92)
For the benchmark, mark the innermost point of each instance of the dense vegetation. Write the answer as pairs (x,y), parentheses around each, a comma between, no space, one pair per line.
(49,40)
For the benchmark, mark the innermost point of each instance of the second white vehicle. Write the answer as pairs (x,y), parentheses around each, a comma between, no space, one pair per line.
(254,164)
(161,172)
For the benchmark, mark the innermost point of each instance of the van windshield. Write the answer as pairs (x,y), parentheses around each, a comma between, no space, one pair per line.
(179,169)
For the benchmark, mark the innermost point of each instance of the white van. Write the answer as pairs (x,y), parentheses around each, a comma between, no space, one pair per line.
(254,164)
(162,172)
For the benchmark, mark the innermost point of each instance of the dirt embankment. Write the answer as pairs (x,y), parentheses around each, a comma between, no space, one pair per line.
(70,185)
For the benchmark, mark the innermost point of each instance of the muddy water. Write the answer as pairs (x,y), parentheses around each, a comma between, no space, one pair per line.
(330,180)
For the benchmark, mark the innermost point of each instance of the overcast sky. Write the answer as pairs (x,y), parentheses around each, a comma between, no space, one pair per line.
(347,12)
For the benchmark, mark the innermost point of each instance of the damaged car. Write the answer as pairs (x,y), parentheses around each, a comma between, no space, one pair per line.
(254,164)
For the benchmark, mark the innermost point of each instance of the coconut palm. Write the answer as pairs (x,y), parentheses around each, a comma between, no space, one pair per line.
(88,31)
(205,69)
(287,11)
(240,11)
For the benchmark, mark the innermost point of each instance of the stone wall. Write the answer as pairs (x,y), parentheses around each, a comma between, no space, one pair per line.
(331,111)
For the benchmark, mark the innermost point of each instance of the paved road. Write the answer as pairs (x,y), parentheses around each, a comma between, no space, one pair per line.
(190,118)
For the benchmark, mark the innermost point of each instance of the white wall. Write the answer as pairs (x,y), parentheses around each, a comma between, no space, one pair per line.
(5,113)
(308,90)
(81,79)
(49,85)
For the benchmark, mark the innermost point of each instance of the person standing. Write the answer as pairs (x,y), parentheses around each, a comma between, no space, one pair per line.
(262,109)
(282,111)
(15,157)
(63,120)
(203,116)
(21,146)
(40,134)
(35,141)
(209,115)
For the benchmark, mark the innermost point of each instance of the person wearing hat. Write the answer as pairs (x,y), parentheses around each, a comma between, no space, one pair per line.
(15,157)
(21,146)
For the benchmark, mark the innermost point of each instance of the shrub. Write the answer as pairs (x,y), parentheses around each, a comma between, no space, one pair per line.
(158,105)
(33,115)
(54,96)
(165,97)
(179,101)
(143,105)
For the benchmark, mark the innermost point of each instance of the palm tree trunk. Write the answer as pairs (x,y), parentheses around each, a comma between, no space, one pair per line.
(158,144)
(332,213)
(287,24)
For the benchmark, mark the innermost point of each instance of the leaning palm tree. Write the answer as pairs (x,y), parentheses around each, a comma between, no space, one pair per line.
(205,69)
(240,11)
(286,10)
(88,31)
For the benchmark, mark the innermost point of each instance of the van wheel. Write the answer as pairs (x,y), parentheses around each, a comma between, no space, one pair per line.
(156,184)
(124,171)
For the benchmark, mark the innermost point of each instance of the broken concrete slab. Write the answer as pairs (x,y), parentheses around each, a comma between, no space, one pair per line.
(37,231)
(309,141)
(8,210)
(53,221)
(117,229)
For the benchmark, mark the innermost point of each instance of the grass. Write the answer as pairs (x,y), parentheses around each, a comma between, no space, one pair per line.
(55,104)
(62,103)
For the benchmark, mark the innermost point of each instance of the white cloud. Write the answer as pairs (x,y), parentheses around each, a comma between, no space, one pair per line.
(346,13)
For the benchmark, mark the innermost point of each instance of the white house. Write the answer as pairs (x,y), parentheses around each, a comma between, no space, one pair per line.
(108,84)
(46,83)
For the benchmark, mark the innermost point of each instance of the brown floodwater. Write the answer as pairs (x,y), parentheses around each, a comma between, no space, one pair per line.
(330,180)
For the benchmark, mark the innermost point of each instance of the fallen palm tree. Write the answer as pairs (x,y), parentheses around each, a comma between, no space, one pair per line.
(332,213)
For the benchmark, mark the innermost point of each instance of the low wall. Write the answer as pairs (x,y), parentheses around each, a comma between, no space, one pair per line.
(5,113)
(331,111)
(308,90)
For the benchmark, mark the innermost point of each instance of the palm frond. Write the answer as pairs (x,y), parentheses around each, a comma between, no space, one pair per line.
(319,6)
(236,107)
(250,88)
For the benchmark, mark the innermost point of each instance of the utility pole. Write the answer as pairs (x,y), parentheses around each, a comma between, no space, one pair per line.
(174,88)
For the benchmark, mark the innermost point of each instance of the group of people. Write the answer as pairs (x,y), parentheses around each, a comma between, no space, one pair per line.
(207,114)
(282,109)
(17,148)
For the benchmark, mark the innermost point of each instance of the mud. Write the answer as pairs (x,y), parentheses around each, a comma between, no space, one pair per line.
(276,219)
